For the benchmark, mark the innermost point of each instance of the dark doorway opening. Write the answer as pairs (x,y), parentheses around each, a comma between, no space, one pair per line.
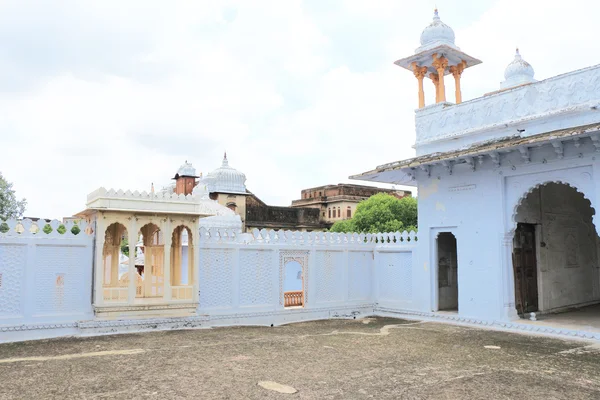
(525,268)
(447,272)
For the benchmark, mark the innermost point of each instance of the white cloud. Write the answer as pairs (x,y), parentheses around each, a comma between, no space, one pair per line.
(119,94)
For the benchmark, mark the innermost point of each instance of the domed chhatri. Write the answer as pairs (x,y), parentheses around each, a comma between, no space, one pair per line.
(437,33)
(225,179)
(436,57)
(518,72)
(186,169)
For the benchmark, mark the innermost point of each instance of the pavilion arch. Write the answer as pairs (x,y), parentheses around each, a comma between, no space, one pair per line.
(521,199)
(114,283)
(518,187)
(153,250)
(182,263)
(555,249)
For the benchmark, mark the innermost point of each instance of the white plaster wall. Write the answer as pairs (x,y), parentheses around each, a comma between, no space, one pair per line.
(568,261)
(45,278)
(245,275)
(478,207)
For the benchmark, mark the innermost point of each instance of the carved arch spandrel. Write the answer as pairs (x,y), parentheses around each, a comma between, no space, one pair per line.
(301,257)
(515,208)
(519,187)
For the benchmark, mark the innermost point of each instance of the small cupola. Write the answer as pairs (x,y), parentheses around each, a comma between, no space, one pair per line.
(518,72)
(437,33)
(185,179)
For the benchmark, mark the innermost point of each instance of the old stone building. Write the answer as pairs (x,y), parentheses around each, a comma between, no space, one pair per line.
(338,202)
(316,210)
(227,186)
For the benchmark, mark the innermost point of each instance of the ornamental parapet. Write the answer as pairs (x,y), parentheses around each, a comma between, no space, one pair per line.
(268,236)
(573,95)
(155,202)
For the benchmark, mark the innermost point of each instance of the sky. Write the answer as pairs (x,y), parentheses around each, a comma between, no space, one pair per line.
(119,93)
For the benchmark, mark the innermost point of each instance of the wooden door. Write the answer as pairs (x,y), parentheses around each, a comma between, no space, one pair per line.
(525,269)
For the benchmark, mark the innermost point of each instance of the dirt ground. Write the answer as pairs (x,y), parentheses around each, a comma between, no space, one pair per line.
(376,358)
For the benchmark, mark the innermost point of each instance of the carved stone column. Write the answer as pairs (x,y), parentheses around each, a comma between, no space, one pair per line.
(420,74)
(436,83)
(440,65)
(132,237)
(457,71)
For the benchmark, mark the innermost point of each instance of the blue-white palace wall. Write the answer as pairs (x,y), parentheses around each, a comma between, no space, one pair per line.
(478,206)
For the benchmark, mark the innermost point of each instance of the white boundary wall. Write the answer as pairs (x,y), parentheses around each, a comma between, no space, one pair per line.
(45,280)
(46,285)
(242,275)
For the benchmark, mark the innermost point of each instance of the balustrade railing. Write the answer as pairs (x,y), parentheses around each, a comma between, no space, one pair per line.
(293,299)
(182,292)
(116,294)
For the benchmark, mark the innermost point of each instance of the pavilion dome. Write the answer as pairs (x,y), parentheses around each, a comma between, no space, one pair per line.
(225,179)
(437,33)
(186,169)
(518,72)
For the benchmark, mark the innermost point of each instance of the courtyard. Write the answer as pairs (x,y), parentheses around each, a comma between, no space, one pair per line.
(374,358)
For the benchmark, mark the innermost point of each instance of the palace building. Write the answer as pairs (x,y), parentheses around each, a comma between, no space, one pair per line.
(316,210)
(508,186)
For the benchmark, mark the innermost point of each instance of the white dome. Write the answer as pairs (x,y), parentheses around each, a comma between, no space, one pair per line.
(186,170)
(518,72)
(437,33)
(225,180)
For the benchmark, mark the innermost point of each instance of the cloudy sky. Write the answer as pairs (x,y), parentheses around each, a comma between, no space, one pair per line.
(300,93)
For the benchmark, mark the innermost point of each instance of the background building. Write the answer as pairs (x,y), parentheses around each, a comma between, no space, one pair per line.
(318,208)
(338,202)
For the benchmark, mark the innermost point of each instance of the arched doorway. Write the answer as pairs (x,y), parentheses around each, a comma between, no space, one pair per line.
(555,251)
(153,259)
(182,263)
(293,284)
(115,271)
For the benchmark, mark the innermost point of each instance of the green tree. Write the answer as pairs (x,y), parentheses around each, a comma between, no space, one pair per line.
(381,213)
(75,229)
(47,229)
(125,246)
(10,206)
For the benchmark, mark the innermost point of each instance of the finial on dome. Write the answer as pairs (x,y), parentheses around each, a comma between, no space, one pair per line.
(518,72)
(435,13)
(225,162)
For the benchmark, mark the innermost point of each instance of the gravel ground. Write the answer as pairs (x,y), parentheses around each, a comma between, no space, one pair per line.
(375,358)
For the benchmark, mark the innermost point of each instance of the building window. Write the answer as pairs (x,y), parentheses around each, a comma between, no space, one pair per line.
(232,206)
(349,212)
(330,213)
(319,194)
(339,212)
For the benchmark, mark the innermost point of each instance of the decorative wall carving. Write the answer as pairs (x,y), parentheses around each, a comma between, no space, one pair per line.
(329,269)
(300,256)
(518,104)
(264,236)
(216,286)
(12,268)
(360,275)
(395,281)
(255,277)
(58,280)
